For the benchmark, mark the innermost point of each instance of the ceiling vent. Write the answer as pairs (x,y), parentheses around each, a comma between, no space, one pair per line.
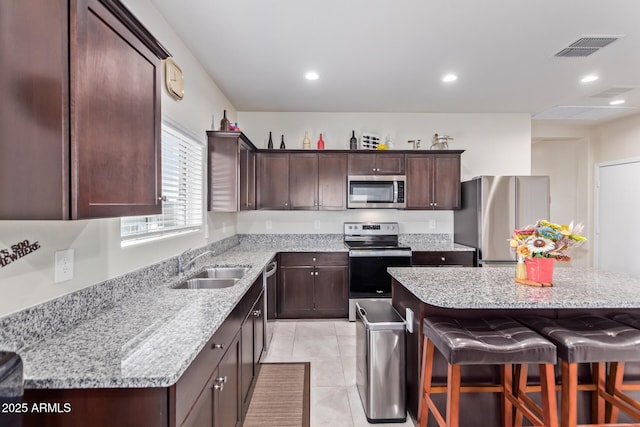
(614,92)
(585,46)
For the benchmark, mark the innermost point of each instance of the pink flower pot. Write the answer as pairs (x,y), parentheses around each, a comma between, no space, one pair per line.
(540,269)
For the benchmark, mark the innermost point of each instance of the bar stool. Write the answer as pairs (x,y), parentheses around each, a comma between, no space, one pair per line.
(493,341)
(595,340)
(615,383)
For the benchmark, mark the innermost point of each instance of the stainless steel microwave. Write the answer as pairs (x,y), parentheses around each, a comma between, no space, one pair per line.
(376,191)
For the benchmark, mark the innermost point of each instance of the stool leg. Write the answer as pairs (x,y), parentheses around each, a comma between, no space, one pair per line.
(453,395)
(520,387)
(425,382)
(616,374)
(507,384)
(597,402)
(569,394)
(548,395)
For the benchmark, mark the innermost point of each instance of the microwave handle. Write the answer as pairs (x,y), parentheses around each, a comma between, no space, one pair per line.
(395,191)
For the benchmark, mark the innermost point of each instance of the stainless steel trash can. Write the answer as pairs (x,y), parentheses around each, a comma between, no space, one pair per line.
(380,362)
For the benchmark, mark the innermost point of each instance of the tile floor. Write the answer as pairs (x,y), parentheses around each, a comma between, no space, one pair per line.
(330,347)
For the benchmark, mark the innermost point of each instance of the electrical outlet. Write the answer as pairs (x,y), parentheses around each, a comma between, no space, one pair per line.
(432,224)
(269,225)
(63,269)
(316,224)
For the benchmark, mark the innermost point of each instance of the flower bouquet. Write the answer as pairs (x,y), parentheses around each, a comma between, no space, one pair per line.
(540,244)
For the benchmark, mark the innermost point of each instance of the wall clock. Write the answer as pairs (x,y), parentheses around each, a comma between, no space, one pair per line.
(173,79)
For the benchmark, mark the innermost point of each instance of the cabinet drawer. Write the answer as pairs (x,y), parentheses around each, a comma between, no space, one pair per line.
(443,258)
(314,258)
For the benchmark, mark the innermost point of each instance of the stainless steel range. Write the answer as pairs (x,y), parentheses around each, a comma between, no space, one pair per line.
(372,248)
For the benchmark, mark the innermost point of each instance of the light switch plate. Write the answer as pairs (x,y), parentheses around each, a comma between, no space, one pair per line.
(63,265)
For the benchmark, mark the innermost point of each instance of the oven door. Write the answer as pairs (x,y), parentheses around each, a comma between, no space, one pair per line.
(368,277)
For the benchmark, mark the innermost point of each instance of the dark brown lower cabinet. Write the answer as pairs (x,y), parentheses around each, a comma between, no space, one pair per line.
(313,285)
(210,393)
(443,258)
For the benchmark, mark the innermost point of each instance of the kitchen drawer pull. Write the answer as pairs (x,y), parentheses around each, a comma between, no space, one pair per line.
(221,379)
(257,313)
(217,346)
(316,273)
(312,273)
(218,387)
(314,260)
(442,258)
(162,198)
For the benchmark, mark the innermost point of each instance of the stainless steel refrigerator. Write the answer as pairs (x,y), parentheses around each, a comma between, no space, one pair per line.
(492,207)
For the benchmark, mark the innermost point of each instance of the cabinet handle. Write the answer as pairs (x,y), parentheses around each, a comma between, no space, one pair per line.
(316,273)
(435,204)
(442,259)
(257,313)
(312,273)
(378,170)
(162,198)
(286,204)
(218,387)
(217,346)
(221,380)
(313,259)
(431,204)
(373,170)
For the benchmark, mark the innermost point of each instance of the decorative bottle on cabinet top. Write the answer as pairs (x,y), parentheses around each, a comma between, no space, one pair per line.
(282,146)
(306,142)
(353,142)
(320,143)
(224,123)
(270,143)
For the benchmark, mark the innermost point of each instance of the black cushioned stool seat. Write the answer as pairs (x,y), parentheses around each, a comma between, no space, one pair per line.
(490,341)
(595,340)
(632,320)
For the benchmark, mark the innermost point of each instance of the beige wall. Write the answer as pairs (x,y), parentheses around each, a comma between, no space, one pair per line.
(617,140)
(98,255)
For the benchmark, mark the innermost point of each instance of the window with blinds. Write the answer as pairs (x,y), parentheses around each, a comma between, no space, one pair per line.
(182,190)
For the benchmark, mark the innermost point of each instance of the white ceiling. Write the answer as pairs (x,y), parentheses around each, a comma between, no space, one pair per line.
(390,56)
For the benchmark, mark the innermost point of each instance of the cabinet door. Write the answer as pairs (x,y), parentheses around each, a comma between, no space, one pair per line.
(446,189)
(389,164)
(273,181)
(362,163)
(247,178)
(443,258)
(331,291)
(419,181)
(115,117)
(223,174)
(332,181)
(303,181)
(295,292)
(227,399)
(202,415)
(34,128)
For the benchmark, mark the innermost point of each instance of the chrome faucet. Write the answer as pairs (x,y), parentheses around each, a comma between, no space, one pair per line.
(183,266)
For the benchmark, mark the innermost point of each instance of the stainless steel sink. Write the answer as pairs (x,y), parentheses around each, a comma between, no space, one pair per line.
(207,283)
(224,273)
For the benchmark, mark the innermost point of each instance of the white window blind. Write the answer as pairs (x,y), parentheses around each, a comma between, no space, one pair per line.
(182,186)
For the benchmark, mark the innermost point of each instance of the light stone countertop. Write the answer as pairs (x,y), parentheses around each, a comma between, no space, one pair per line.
(151,337)
(494,288)
(148,340)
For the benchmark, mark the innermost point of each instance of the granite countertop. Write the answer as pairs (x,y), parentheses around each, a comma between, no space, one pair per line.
(494,288)
(148,340)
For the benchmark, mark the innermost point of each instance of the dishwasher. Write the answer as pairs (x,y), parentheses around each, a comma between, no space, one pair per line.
(269,278)
(380,362)
(11,390)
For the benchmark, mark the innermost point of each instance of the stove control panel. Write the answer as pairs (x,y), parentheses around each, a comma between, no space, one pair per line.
(371,228)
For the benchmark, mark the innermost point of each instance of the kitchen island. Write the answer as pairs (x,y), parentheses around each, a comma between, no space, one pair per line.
(488,291)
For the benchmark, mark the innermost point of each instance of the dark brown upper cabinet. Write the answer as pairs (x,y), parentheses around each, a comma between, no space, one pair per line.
(80,123)
(231,172)
(433,180)
(376,163)
(316,181)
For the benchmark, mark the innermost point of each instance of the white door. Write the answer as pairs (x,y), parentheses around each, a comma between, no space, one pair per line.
(617,216)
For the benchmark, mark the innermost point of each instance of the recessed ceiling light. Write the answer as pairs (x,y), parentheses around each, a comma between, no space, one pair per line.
(311,75)
(590,78)
(450,78)
(617,102)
